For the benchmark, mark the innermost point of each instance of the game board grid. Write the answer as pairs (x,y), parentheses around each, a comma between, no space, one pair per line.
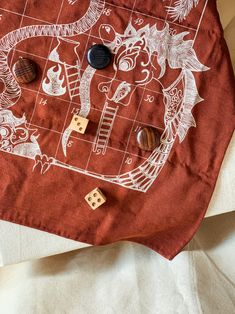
(133,121)
(104,77)
(111,4)
(69,107)
(94,108)
(44,69)
(133,11)
(137,111)
(84,140)
(96,37)
(151,16)
(25,15)
(22,18)
(109,89)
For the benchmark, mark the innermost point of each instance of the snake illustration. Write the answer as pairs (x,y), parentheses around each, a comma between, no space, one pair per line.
(12,91)
(178,106)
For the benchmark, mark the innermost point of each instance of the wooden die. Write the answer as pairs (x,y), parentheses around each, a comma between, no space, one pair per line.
(95,198)
(79,124)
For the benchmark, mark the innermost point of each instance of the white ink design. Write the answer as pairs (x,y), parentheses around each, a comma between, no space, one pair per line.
(72,2)
(72,70)
(16,137)
(180,97)
(73,79)
(12,92)
(65,139)
(55,85)
(121,92)
(43,162)
(84,92)
(104,129)
(171,49)
(181,9)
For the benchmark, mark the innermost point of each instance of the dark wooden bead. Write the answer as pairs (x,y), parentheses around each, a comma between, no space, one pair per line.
(148,138)
(25,71)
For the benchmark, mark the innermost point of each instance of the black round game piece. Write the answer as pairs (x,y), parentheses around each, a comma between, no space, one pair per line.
(99,56)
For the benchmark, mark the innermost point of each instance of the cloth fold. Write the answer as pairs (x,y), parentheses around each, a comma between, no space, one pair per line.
(129,278)
(157,199)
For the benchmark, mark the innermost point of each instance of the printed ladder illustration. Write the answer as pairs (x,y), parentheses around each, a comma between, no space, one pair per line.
(73,76)
(179,98)
(105,129)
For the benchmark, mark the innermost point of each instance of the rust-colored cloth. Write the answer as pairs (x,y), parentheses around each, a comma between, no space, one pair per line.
(170,71)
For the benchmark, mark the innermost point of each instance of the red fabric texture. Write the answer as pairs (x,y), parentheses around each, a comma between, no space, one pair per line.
(44,188)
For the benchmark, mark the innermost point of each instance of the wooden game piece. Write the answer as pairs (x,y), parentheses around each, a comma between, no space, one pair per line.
(95,198)
(79,124)
(25,70)
(148,138)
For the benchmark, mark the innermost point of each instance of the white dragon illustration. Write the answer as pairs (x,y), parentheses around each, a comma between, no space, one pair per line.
(180,97)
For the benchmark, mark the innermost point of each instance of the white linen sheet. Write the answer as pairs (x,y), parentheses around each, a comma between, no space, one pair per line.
(128,278)
(18,243)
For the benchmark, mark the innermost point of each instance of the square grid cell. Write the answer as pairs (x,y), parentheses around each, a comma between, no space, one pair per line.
(9,20)
(16,7)
(44,11)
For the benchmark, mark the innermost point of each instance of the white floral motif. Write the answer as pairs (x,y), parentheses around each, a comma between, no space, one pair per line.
(16,137)
(181,9)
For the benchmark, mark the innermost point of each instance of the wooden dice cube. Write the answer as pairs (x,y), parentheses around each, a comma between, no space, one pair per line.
(95,198)
(79,124)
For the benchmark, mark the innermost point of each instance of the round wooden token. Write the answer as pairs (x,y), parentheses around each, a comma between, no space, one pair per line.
(148,138)
(24,70)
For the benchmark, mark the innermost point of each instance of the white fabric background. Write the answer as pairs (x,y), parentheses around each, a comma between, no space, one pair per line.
(18,243)
(128,278)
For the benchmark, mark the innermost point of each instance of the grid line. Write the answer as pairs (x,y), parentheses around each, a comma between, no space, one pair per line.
(200,21)
(21,21)
(144,88)
(150,16)
(83,140)
(134,121)
(107,92)
(69,108)
(45,66)
(96,74)
(111,4)
(27,16)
